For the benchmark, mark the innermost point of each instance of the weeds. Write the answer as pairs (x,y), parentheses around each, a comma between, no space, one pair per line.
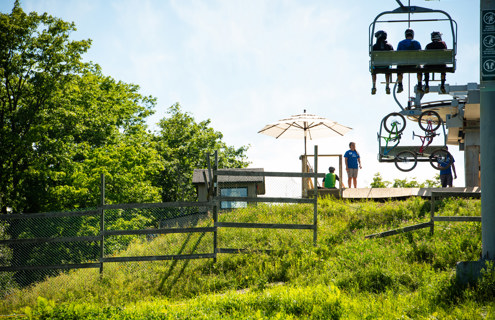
(407,276)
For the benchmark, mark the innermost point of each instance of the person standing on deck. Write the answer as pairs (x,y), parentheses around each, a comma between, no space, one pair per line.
(352,164)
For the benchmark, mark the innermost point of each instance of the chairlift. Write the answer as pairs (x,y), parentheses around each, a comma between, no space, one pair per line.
(413,59)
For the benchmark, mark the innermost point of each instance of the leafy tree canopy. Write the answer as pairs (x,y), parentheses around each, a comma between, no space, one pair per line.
(63,123)
(183,144)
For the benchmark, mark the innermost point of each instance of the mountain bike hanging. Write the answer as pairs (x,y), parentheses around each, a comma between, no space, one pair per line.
(407,157)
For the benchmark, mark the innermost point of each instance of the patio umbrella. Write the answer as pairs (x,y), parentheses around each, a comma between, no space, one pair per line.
(305,126)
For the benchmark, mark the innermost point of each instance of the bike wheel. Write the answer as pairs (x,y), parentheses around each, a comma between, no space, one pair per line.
(441,159)
(406,161)
(429,121)
(398,119)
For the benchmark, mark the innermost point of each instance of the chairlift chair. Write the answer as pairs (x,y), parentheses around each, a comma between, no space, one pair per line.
(413,59)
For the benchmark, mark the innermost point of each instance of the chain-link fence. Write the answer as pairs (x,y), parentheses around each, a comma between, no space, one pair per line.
(36,246)
(275,223)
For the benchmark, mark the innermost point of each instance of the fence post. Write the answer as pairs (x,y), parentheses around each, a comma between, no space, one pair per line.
(341,190)
(315,217)
(215,206)
(102,221)
(432,212)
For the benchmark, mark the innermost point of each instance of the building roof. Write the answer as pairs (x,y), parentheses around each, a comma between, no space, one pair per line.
(198,177)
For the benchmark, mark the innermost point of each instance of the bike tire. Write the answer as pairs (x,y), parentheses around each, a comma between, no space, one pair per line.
(432,116)
(388,124)
(441,159)
(406,161)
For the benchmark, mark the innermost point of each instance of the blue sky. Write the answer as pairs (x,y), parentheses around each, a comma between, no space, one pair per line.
(244,64)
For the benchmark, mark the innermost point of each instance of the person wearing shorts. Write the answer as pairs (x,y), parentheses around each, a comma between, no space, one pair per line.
(352,164)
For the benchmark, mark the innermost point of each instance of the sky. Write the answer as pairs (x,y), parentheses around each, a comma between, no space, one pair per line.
(244,64)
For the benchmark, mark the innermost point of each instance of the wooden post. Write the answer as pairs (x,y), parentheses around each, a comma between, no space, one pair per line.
(215,207)
(315,216)
(102,221)
(304,187)
(432,213)
(341,192)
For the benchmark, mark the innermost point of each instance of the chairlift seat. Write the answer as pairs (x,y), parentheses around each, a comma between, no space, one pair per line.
(414,60)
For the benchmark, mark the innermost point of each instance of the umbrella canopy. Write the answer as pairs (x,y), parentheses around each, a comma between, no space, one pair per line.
(305,126)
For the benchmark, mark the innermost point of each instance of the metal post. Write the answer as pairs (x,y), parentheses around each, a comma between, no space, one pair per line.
(487,129)
(315,216)
(470,271)
(471,162)
(102,221)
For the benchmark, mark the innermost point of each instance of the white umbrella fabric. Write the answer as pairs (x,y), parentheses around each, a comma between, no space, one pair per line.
(303,126)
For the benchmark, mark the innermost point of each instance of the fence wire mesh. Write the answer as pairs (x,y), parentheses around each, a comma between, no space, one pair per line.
(274,224)
(36,246)
(30,241)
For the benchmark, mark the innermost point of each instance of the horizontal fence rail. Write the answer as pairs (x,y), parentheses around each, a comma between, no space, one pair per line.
(435,195)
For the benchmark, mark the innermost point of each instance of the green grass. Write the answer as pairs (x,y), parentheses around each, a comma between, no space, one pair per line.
(407,276)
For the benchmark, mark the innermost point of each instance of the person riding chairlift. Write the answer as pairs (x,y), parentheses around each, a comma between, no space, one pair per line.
(381,45)
(435,44)
(408,44)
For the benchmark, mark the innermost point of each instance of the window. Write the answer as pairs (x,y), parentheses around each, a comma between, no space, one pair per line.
(233,192)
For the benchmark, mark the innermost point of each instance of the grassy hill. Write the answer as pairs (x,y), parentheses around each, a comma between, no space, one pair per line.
(407,276)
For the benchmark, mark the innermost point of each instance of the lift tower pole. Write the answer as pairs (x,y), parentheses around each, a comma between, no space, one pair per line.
(487,127)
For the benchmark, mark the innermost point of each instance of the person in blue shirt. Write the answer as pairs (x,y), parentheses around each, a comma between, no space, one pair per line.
(408,44)
(446,174)
(352,163)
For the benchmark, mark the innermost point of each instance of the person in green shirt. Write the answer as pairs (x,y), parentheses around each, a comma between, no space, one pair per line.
(331,178)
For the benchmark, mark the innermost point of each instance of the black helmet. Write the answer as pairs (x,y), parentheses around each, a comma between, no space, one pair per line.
(381,34)
(409,32)
(331,169)
(436,36)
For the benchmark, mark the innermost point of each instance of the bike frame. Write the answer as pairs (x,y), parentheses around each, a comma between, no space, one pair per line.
(428,137)
(396,137)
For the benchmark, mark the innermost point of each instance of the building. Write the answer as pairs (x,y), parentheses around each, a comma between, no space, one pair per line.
(230,186)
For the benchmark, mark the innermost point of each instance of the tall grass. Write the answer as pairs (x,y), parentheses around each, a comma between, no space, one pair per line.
(407,276)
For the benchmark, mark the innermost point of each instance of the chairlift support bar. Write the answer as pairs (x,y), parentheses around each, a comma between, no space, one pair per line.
(423,56)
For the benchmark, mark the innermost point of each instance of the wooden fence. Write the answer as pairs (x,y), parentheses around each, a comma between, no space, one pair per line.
(435,196)
(213,204)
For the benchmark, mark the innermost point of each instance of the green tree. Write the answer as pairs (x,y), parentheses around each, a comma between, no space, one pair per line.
(100,129)
(183,144)
(36,60)
(62,124)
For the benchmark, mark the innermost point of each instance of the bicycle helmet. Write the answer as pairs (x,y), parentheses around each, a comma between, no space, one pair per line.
(381,34)
(436,36)
(409,32)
